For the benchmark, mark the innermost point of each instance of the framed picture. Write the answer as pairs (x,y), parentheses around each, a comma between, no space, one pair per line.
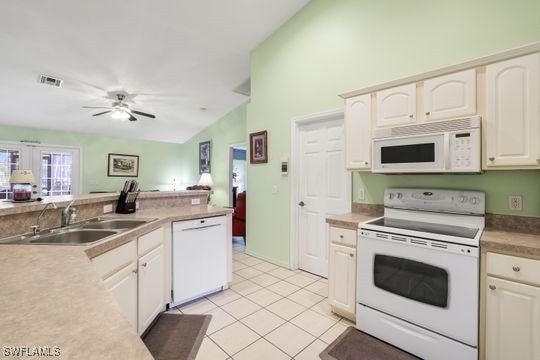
(258,150)
(123,165)
(205,152)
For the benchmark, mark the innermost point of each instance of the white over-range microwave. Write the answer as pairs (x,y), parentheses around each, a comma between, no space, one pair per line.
(452,146)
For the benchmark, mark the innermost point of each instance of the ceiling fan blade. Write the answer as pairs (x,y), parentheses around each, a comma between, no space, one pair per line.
(101,113)
(143,114)
(96,107)
(131,117)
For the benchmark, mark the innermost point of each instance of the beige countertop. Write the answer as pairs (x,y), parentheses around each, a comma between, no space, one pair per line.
(51,296)
(8,208)
(349,220)
(511,242)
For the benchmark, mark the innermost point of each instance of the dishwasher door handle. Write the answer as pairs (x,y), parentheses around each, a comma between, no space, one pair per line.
(201,227)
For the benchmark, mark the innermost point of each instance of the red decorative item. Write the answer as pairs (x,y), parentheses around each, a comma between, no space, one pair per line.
(239,216)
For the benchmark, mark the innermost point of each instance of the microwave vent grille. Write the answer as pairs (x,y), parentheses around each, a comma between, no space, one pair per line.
(429,128)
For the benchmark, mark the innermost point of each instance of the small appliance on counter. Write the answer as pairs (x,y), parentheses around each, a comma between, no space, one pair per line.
(128,197)
(23,186)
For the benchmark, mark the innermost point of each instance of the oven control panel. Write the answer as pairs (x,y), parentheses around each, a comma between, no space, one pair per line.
(437,200)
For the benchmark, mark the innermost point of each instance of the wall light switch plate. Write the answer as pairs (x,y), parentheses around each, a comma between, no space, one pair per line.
(195,201)
(107,208)
(515,202)
(361,194)
(275,189)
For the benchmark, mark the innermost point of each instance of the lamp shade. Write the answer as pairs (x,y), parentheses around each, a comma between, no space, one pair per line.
(22,177)
(206,180)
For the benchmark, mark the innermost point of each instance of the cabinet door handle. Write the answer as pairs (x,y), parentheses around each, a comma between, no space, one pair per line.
(341,236)
(411,116)
(492,287)
(491,158)
(134,271)
(366,163)
(351,254)
(144,264)
(516,268)
(428,113)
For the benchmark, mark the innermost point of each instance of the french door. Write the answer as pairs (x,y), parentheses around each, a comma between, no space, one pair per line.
(56,168)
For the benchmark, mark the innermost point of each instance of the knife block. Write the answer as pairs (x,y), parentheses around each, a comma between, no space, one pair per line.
(125,207)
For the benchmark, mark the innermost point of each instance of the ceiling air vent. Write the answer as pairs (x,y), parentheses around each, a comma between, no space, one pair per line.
(244,88)
(49,80)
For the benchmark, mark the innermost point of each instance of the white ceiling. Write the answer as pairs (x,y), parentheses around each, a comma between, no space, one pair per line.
(178,55)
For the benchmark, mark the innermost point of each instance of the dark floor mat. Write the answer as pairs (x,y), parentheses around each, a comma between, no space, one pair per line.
(176,336)
(354,344)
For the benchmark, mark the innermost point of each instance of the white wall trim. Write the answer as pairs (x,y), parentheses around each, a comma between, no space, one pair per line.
(296,122)
(481,61)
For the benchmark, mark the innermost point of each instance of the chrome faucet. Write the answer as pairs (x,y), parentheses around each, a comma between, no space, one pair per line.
(68,214)
(37,228)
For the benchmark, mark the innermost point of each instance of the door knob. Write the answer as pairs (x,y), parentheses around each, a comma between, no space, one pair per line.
(302,204)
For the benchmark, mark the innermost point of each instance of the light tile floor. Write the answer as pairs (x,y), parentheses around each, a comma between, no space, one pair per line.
(269,313)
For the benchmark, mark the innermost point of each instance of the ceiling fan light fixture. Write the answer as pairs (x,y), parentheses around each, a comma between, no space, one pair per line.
(119,114)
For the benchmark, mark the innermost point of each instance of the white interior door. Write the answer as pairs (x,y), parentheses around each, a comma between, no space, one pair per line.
(324,188)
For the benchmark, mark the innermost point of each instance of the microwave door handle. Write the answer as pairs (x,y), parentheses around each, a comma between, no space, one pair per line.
(447,152)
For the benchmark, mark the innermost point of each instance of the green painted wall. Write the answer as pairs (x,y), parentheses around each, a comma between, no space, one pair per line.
(228,130)
(159,162)
(334,46)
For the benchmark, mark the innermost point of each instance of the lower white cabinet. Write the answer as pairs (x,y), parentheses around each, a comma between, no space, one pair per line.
(123,287)
(512,320)
(134,274)
(342,278)
(151,285)
(512,311)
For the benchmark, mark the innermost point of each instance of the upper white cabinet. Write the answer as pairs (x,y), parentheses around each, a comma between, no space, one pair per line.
(358,132)
(396,106)
(512,112)
(450,96)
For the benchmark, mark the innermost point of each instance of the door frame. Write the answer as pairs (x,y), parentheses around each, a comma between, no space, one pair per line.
(296,123)
(30,155)
(230,182)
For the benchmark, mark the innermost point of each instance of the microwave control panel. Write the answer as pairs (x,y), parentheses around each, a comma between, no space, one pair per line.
(465,150)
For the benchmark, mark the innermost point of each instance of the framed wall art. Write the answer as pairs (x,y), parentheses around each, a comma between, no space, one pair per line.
(258,149)
(123,165)
(205,152)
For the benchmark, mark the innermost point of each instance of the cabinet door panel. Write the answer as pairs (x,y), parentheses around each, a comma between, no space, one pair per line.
(512,116)
(358,132)
(342,278)
(123,287)
(512,320)
(396,106)
(451,95)
(151,286)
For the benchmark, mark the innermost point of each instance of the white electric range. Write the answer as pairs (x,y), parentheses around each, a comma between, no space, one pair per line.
(418,272)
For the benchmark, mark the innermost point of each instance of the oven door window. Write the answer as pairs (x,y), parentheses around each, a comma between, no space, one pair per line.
(411,279)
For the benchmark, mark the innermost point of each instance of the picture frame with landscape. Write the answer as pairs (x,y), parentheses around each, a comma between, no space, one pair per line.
(123,165)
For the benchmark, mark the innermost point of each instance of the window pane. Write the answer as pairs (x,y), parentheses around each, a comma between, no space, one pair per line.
(56,173)
(9,161)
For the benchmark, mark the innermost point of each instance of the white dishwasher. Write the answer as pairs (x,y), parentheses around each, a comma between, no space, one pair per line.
(199,258)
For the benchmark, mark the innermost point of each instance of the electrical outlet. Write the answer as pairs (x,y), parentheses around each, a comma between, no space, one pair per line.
(107,208)
(515,202)
(361,194)
(195,201)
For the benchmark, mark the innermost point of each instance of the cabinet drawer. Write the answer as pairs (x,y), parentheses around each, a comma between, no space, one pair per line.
(149,241)
(513,267)
(115,259)
(343,236)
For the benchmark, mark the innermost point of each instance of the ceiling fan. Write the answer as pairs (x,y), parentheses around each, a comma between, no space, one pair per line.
(120,109)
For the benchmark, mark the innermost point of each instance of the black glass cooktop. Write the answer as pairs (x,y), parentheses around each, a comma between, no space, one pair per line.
(441,229)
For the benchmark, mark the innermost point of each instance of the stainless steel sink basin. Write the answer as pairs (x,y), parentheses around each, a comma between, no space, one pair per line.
(115,224)
(73,236)
(83,233)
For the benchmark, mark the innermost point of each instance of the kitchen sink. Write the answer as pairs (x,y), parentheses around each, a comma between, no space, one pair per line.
(83,233)
(114,224)
(73,236)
